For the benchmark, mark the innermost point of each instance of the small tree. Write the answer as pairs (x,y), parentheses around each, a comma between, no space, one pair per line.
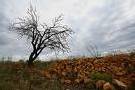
(93,50)
(41,35)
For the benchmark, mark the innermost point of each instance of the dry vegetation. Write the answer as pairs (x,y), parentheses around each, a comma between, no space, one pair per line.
(112,72)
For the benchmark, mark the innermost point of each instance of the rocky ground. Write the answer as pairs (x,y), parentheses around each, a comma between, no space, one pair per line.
(112,72)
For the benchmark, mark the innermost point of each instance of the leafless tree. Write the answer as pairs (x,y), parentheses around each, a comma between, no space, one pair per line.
(41,35)
(93,50)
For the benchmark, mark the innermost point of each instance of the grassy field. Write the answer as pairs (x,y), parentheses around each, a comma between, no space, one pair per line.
(69,74)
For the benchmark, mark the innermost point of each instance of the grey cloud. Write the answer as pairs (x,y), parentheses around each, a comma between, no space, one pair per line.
(109,26)
(111,31)
(9,44)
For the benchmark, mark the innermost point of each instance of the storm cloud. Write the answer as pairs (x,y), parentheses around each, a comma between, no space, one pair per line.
(108,24)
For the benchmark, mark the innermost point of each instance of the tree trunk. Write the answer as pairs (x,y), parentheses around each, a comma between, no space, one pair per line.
(32,57)
(30,62)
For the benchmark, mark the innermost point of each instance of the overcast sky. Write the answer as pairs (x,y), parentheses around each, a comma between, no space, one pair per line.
(108,24)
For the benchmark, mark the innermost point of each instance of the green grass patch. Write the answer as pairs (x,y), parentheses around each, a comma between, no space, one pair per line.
(101,76)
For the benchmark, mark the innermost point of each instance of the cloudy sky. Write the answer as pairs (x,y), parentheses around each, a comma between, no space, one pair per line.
(108,24)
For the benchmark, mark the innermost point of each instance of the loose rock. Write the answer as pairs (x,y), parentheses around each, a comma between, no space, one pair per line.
(107,86)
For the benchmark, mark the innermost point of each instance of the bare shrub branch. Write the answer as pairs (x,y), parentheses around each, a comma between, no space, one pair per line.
(93,50)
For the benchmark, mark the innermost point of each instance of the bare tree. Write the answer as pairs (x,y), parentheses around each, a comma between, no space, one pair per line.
(93,50)
(41,35)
